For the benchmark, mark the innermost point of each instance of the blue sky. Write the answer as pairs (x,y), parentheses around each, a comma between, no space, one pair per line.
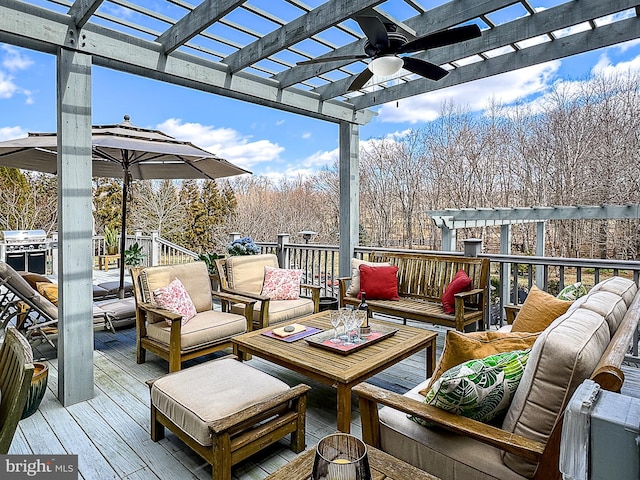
(266,141)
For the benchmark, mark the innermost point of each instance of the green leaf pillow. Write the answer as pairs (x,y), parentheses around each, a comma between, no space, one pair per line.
(572,292)
(478,389)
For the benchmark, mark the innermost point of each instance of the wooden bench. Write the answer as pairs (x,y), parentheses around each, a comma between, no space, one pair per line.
(422,279)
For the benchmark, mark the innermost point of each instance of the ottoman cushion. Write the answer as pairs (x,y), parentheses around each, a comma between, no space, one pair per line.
(194,397)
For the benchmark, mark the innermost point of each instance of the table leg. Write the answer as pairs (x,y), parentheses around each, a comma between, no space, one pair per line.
(431,358)
(344,408)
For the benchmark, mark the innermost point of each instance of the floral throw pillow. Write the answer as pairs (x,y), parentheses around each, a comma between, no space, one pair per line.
(175,298)
(478,389)
(281,283)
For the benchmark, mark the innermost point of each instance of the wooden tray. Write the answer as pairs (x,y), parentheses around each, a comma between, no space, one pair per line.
(322,340)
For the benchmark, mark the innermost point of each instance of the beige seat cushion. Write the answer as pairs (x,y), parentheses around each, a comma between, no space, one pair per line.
(563,356)
(194,276)
(280,310)
(441,453)
(206,327)
(246,273)
(194,397)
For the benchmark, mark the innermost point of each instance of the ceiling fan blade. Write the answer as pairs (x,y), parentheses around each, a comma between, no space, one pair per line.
(333,59)
(375,31)
(425,69)
(360,80)
(439,39)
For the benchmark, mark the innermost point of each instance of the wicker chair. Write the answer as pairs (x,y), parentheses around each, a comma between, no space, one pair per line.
(16,371)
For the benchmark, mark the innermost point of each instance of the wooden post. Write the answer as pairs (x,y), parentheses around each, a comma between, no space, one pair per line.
(349,196)
(75,256)
(282,252)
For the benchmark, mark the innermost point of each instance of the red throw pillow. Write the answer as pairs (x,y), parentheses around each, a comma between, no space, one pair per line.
(379,283)
(460,283)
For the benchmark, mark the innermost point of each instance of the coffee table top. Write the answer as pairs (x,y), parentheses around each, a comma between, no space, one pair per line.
(345,369)
(383,467)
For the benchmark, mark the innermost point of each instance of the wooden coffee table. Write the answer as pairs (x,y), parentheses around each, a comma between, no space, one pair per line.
(337,370)
(383,467)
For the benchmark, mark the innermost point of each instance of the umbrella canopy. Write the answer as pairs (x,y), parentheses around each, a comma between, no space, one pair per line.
(122,151)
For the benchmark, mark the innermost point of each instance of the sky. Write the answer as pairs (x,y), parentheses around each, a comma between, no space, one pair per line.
(266,141)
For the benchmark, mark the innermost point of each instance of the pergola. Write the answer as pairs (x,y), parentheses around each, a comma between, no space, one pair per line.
(237,49)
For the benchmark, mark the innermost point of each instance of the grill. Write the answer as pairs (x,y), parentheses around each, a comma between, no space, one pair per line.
(26,250)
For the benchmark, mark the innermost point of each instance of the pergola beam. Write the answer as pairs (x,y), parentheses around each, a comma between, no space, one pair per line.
(552,19)
(81,11)
(317,20)
(194,22)
(35,27)
(436,19)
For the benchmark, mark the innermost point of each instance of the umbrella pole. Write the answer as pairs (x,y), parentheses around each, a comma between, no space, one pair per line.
(123,231)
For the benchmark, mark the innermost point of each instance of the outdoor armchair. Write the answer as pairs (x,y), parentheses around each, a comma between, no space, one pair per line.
(177,337)
(245,276)
(16,371)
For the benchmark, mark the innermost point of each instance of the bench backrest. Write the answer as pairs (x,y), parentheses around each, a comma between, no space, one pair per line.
(425,276)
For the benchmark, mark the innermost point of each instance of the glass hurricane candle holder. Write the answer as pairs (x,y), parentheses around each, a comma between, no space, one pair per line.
(341,456)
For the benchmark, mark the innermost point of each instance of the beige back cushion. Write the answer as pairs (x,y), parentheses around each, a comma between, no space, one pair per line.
(246,273)
(563,356)
(620,286)
(194,277)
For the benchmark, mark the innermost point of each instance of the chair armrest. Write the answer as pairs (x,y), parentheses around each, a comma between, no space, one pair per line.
(510,312)
(315,295)
(370,395)
(250,413)
(161,312)
(258,298)
(249,304)
(342,289)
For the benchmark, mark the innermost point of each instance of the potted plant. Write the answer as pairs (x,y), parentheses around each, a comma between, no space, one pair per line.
(209,260)
(133,255)
(243,246)
(110,240)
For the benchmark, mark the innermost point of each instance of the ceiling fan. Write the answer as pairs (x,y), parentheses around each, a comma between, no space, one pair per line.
(384,44)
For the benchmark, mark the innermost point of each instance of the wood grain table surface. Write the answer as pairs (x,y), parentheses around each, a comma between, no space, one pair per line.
(335,369)
(383,467)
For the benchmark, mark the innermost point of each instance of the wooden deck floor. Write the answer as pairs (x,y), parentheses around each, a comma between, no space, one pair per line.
(110,432)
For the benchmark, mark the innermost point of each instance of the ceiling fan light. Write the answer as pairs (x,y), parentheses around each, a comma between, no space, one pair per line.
(385,66)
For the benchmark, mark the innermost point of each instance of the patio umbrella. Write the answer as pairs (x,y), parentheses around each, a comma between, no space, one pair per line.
(123,151)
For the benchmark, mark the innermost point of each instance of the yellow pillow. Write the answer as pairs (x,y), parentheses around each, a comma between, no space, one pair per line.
(538,311)
(49,291)
(461,347)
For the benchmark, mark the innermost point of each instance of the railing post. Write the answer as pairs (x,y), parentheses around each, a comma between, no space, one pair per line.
(281,252)
(472,247)
(155,248)
(234,236)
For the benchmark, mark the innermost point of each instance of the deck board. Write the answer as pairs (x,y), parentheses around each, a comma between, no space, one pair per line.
(110,432)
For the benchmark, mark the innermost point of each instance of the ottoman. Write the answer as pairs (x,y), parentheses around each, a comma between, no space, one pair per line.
(226,411)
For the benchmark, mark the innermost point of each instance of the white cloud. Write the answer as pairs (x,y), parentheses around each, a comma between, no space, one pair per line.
(10,133)
(279,122)
(505,88)
(604,67)
(306,135)
(228,143)
(14,60)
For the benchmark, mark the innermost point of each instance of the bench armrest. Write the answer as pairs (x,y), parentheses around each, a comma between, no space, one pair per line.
(370,396)
(510,312)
